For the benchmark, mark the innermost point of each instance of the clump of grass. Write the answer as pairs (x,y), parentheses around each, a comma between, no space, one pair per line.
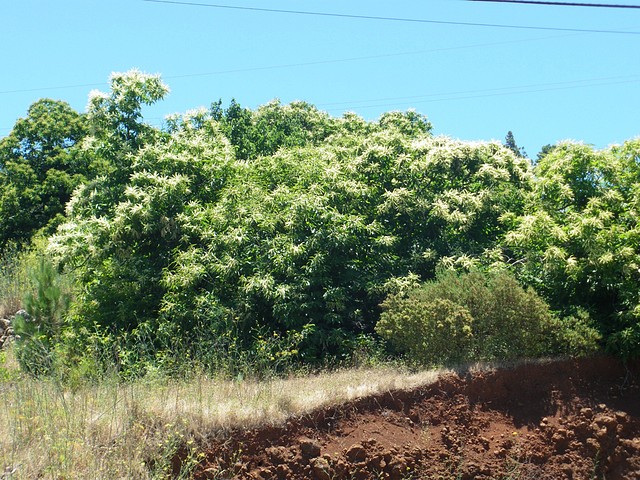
(113,429)
(14,280)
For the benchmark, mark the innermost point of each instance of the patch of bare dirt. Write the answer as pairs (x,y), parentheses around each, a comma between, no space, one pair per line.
(576,419)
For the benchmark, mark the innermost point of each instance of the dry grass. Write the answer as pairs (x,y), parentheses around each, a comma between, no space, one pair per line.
(115,430)
(14,282)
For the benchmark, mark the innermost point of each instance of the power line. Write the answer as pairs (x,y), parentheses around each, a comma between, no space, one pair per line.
(294,65)
(587,82)
(353,59)
(497,93)
(343,60)
(561,4)
(302,64)
(392,19)
(472,94)
(62,87)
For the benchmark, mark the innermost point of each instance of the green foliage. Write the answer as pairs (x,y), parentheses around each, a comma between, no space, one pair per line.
(510,143)
(49,302)
(41,328)
(577,244)
(116,133)
(17,275)
(476,316)
(434,332)
(237,124)
(544,151)
(199,244)
(576,334)
(8,372)
(224,237)
(272,126)
(266,354)
(122,252)
(116,117)
(39,169)
(409,123)
(14,280)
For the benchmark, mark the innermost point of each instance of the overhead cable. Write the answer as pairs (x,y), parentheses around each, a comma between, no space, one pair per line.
(469,94)
(516,89)
(472,95)
(561,4)
(393,19)
(294,65)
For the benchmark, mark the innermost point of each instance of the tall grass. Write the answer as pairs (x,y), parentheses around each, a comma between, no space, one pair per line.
(15,280)
(103,427)
(112,429)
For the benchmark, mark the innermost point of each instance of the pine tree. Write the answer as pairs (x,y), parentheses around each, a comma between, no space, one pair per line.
(510,143)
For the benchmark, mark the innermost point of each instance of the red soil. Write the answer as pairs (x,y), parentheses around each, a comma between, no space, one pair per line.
(577,419)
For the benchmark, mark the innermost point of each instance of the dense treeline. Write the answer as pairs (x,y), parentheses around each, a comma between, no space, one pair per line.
(281,233)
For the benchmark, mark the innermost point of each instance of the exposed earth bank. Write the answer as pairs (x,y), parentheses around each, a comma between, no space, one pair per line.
(576,419)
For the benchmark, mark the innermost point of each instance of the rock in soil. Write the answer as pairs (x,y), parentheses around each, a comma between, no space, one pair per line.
(574,419)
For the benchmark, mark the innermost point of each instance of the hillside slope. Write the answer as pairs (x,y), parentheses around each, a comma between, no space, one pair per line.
(576,419)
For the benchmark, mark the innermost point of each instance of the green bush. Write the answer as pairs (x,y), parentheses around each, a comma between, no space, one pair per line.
(576,334)
(477,316)
(41,327)
(436,332)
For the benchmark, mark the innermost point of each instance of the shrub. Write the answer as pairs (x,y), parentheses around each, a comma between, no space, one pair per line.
(576,334)
(477,316)
(437,331)
(41,327)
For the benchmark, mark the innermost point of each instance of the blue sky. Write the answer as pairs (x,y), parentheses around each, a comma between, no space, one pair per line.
(473,82)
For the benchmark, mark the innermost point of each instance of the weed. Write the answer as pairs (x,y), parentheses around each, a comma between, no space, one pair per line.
(14,280)
(150,427)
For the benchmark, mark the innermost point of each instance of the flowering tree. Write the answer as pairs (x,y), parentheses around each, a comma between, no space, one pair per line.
(578,240)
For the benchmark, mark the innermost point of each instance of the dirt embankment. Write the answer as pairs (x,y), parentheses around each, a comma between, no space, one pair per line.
(577,419)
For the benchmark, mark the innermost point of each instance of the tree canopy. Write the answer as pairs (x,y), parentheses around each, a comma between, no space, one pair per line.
(578,239)
(230,226)
(39,169)
(306,234)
